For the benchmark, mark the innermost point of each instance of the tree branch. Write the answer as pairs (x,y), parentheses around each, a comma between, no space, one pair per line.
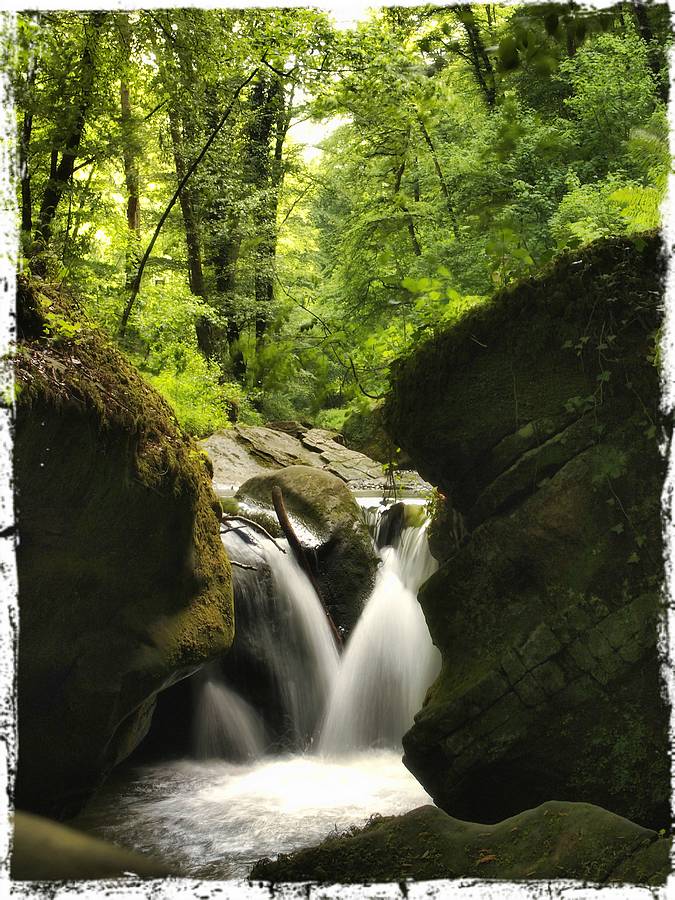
(139,275)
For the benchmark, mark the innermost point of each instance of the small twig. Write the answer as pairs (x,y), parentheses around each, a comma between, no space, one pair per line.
(233,562)
(255,526)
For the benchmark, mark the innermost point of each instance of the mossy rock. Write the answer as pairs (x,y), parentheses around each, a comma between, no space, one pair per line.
(538,417)
(44,850)
(514,372)
(330,525)
(554,841)
(124,585)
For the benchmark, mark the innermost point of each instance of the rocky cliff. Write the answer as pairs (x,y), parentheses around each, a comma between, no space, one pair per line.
(537,416)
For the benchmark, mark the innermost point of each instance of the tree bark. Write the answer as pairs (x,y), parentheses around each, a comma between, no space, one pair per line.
(24,158)
(225,261)
(129,159)
(410,223)
(441,178)
(480,60)
(653,55)
(264,169)
(188,210)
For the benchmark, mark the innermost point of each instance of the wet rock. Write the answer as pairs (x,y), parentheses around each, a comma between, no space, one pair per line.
(328,521)
(554,841)
(124,585)
(537,416)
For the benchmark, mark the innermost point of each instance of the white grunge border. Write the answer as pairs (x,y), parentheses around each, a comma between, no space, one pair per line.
(179,888)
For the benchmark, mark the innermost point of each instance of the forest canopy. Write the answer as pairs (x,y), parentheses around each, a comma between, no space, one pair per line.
(168,178)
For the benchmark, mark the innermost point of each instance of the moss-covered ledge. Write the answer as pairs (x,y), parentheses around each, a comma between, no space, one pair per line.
(124,585)
(554,841)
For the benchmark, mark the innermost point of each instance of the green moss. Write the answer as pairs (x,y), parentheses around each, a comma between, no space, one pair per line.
(555,840)
(526,363)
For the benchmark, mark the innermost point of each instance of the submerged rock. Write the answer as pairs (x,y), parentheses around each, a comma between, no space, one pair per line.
(537,416)
(48,851)
(555,840)
(329,524)
(124,585)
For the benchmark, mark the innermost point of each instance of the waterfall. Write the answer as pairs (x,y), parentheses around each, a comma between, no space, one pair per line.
(283,643)
(302,655)
(390,660)
(225,725)
(295,681)
(280,691)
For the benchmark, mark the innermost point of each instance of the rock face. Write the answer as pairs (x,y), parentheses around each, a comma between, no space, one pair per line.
(48,851)
(246,451)
(124,585)
(328,522)
(537,416)
(555,840)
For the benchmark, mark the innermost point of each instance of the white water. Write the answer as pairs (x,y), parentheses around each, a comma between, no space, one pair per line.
(389,661)
(225,725)
(216,817)
(305,658)
(285,637)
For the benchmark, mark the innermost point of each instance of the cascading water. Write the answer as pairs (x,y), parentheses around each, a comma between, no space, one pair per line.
(225,725)
(284,641)
(390,660)
(252,791)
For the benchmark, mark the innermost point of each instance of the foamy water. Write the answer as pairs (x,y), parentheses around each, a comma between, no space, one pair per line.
(215,819)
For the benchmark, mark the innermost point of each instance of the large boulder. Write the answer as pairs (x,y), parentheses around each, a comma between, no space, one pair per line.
(124,585)
(555,840)
(330,525)
(537,416)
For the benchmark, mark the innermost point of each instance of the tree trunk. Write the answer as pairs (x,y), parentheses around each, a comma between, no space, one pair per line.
(226,279)
(441,178)
(653,54)
(24,169)
(482,65)
(129,160)
(24,158)
(265,173)
(410,223)
(188,209)
(61,171)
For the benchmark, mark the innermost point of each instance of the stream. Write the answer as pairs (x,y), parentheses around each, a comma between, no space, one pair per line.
(243,795)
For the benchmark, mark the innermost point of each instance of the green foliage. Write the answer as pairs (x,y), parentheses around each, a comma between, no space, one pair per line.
(469,146)
(202,403)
